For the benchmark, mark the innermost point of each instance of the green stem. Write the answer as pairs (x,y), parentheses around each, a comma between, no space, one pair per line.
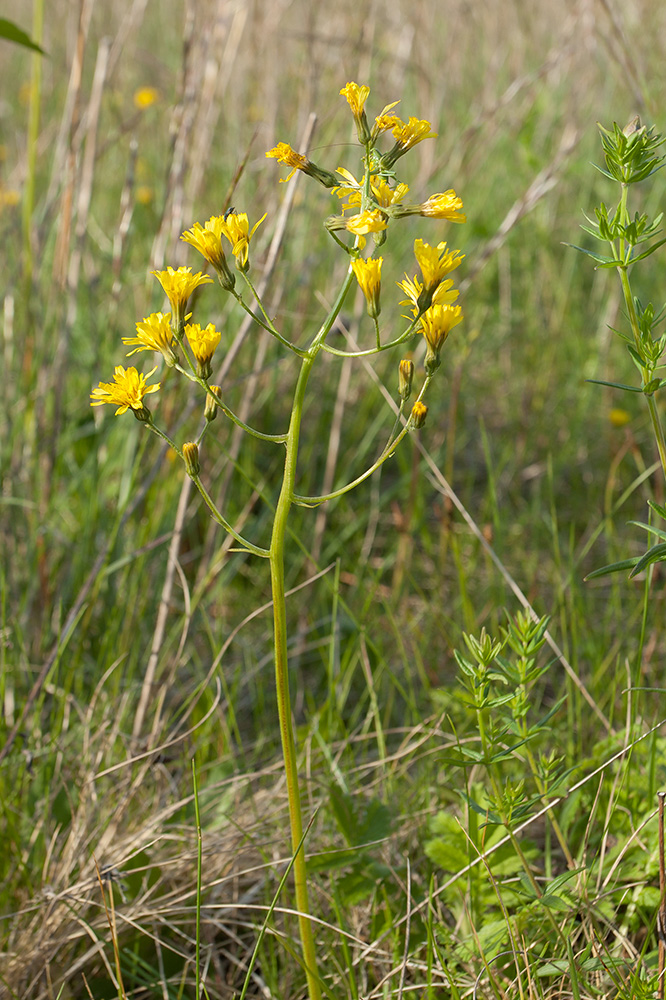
(647,375)
(276,556)
(193,377)
(282,683)
(306,501)
(266,323)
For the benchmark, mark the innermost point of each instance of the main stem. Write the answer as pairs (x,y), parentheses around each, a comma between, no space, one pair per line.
(282,681)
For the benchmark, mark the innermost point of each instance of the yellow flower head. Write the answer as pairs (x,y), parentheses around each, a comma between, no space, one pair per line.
(154,333)
(203,343)
(418,414)
(283,153)
(436,324)
(416,130)
(369,276)
(366,222)
(126,391)
(178,286)
(207,239)
(356,97)
(435,262)
(444,294)
(444,206)
(145,96)
(384,121)
(235,227)
(385,195)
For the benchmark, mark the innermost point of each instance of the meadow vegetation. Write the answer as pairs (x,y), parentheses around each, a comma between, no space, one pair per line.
(479,728)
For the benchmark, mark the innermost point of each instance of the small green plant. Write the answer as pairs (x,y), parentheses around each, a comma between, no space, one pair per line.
(632,156)
(369,207)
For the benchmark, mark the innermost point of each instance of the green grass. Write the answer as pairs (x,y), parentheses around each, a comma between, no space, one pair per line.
(526,444)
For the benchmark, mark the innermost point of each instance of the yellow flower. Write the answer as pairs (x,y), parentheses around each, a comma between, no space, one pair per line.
(144,194)
(418,414)
(283,153)
(416,130)
(126,391)
(356,97)
(435,262)
(436,324)
(444,294)
(178,286)
(444,206)
(203,343)
(235,227)
(207,239)
(619,417)
(384,121)
(154,333)
(145,96)
(365,222)
(405,378)
(406,136)
(386,196)
(369,276)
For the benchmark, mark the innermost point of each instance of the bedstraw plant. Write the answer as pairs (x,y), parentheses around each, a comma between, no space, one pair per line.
(368,207)
(632,157)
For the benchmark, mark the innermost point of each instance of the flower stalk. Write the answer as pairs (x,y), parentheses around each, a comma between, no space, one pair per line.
(374,202)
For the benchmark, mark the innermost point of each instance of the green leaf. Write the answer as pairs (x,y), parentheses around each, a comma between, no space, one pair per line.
(656,554)
(600,258)
(614,385)
(13,33)
(617,567)
(657,508)
(659,532)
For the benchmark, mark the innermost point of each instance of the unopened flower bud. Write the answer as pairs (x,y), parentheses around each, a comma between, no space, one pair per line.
(210,408)
(419,413)
(191,458)
(405,376)
(143,415)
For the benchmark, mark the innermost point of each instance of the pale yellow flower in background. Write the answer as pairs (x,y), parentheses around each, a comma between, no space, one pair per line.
(144,97)
(178,285)
(619,417)
(126,391)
